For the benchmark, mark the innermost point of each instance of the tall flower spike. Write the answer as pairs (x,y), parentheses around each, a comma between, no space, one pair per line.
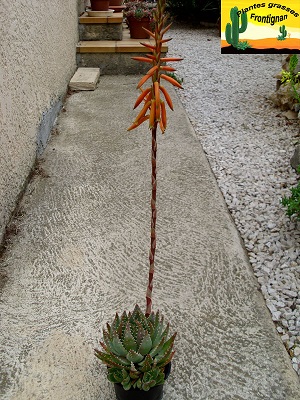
(157,71)
(154,110)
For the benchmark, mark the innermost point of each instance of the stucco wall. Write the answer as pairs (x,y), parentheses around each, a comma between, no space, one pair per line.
(37,59)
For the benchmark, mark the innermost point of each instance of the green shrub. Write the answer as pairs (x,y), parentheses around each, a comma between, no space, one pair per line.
(292,203)
(292,78)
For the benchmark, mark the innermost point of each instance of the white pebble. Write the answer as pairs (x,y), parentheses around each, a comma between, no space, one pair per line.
(297,351)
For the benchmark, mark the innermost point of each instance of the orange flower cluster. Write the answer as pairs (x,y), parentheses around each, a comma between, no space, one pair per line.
(155,96)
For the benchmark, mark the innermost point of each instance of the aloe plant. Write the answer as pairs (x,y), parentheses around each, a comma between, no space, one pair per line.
(136,349)
(136,345)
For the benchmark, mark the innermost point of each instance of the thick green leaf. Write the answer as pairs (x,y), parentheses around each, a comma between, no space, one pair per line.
(157,316)
(115,375)
(108,329)
(140,334)
(121,329)
(107,341)
(158,348)
(126,380)
(146,364)
(139,317)
(168,344)
(151,328)
(124,319)
(134,357)
(153,378)
(136,312)
(104,346)
(144,323)
(145,345)
(156,337)
(138,384)
(118,347)
(112,360)
(116,323)
(165,359)
(145,387)
(129,341)
(151,318)
(134,375)
(127,386)
(166,331)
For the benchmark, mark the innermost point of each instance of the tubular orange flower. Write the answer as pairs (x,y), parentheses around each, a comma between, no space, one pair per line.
(147,76)
(152,70)
(152,114)
(163,113)
(136,124)
(167,68)
(157,101)
(165,40)
(149,32)
(156,92)
(143,111)
(166,59)
(162,127)
(148,45)
(167,96)
(151,56)
(149,96)
(166,29)
(144,59)
(141,97)
(171,80)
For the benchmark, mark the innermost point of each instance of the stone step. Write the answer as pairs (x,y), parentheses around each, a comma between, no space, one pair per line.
(114,57)
(85,79)
(101,28)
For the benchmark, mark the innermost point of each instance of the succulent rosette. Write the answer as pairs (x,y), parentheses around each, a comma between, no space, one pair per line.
(136,349)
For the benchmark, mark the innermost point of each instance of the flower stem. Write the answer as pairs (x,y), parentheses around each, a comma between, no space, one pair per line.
(153,224)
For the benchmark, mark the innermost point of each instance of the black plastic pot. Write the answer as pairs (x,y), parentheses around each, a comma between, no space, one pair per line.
(155,393)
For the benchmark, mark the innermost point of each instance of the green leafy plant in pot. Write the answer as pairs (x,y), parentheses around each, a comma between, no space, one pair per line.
(136,346)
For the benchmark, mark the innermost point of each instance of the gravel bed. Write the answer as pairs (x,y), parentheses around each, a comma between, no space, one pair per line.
(249,145)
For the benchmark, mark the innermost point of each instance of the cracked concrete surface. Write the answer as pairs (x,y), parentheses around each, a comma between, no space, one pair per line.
(82,254)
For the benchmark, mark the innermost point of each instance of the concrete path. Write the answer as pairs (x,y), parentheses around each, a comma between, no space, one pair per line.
(82,254)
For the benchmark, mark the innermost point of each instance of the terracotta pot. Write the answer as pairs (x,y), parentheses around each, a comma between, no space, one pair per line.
(117,8)
(136,27)
(116,2)
(100,5)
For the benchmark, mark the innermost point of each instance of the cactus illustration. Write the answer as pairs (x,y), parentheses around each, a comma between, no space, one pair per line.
(283,32)
(233,30)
